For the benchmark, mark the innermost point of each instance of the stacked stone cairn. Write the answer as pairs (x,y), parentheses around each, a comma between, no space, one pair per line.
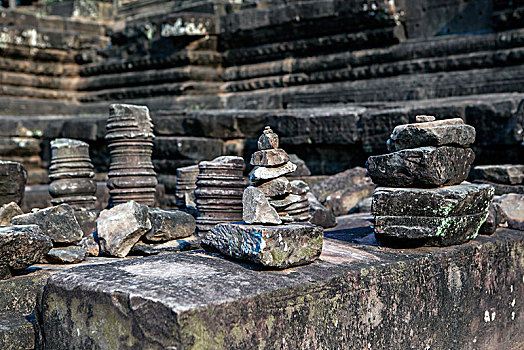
(186,178)
(71,174)
(270,235)
(220,184)
(421,198)
(130,142)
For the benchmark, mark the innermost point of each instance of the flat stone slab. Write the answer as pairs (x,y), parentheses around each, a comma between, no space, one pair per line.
(463,199)
(353,297)
(508,174)
(278,247)
(436,133)
(402,231)
(423,166)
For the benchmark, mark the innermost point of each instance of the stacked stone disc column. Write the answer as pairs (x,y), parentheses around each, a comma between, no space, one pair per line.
(421,198)
(186,178)
(220,184)
(71,174)
(130,142)
(269,202)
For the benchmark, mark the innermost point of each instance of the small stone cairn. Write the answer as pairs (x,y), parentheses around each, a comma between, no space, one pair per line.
(130,142)
(186,178)
(421,198)
(268,203)
(220,184)
(71,174)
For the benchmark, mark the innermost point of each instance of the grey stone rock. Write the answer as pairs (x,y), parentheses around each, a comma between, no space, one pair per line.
(424,166)
(275,187)
(268,139)
(177,245)
(299,187)
(512,207)
(87,220)
(501,189)
(16,332)
(287,201)
(120,227)
(264,173)
(168,225)
(58,222)
(269,157)
(302,169)
(22,246)
(493,221)
(66,255)
(405,231)
(464,199)
(320,215)
(13,178)
(256,208)
(508,174)
(434,133)
(9,211)
(274,247)
(90,245)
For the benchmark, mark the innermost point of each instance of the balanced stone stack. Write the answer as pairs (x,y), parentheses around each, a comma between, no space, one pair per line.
(267,203)
(285,202)
(186,178)
(130,142)
(220,185)
(421,199)
(71,174)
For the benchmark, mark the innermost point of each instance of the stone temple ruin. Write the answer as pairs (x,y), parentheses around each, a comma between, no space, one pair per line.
(261,174)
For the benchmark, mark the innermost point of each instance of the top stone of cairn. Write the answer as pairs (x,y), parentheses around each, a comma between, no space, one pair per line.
(268,140)
(449,132)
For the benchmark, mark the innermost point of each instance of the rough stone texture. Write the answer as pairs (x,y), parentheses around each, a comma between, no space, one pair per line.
(302,169)
(423,166)
(263,173)
(324,188)
(464,199)
(168,225)
(87,220)
(275,187)
(256,208)
(176,245)
(512,207)
(320,215)
(13,177)
(9,211)
(278,247)
(120,227)
(402,231)
(509,174)
(270,157)
(90,245)
(16,332)
(448,132)
(22,246)
(66,255)
(493,221)
(58,222)
(501,189)
(364,206)
(351,298)
(268,140)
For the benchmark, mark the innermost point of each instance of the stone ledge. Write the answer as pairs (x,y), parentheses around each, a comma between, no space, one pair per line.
(467,296)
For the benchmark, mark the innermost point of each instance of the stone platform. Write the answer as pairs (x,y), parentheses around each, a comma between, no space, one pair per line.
(356,296)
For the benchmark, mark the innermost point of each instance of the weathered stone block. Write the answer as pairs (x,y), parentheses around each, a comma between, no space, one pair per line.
(512,207)
(269,157)
(13,178)
(509,174)
(16,332)
(167,225)
(263,173)
(9,211)
(278,247)
(256,208)
(275,187)
(423,166)
(59,223)
(173,246)
(66,255)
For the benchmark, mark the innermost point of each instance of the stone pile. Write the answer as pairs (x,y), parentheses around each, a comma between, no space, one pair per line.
(421,198)
(186,178)
(130,142)
(71,174)
(220,185)
(268,203)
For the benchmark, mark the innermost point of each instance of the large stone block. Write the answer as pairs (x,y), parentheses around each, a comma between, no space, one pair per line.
(354,297)
(278,247)
(423,166)
(509,174)
(13,177)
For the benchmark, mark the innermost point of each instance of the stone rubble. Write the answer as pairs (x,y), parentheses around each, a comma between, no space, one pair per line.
(443,210)
(9,211)
(71,174)
(13,178)
(167,225)
(130,143)
(273,211)
(66,255)
(220,185)
(186,178)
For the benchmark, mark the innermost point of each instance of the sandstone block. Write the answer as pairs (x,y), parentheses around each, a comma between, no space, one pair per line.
(508,174)
(13,178)
(320,215)
(269,157)
(168,225)
(275,187)
(256,208)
